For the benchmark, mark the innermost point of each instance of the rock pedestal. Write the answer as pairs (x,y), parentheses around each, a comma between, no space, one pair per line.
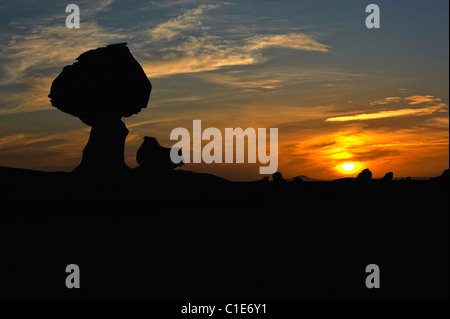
(104,152)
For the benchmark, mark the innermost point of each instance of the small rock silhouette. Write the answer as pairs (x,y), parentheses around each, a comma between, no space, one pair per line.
(444,179)
(388,177)
(445,175)
(297,180)
(278,177)
(152,156)
(364,176)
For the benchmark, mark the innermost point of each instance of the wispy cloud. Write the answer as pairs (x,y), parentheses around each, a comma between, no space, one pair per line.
(207,53)
(392,99)
(242,80)
(46,48)
(31,61)
(386,114)
(196,50)
(197,55)
(271,79)
(438,122)
(296,41)
(183,99)
(62,150)
(417,99)
(191,19)
(171,3)
(31,95)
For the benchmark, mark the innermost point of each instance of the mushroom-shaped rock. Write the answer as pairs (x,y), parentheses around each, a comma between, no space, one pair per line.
(152,156)
(388,177)
(103,86)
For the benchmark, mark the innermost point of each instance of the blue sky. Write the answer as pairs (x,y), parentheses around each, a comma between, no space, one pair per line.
(287,64)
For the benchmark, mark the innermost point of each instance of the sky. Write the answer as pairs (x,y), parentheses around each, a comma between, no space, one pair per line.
(337,91)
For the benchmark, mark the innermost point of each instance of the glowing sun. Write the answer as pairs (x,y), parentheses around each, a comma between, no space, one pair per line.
(348,167)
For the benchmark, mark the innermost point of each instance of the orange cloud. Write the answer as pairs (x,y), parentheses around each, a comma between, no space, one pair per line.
(270,87)
(392,99)
(297,41)
(385,114)
(60,151)
(417,99)
(195,63)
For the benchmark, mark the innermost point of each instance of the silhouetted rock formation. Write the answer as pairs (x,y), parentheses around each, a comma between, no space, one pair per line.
(388,177)
(297,180)
(278,177)
(445,175)
(443,179)
(152,156)
(364,176)
(265,179)
(105,85)
(305,179)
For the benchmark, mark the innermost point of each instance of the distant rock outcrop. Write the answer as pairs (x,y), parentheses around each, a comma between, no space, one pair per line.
(443,179)
(388,177)
(265,179)
(152,156)
(306,179)
(446,175)
(278,177)
(297,180)
(364,176)
(103,86)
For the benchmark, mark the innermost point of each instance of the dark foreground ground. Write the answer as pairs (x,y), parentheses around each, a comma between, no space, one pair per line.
(186,235)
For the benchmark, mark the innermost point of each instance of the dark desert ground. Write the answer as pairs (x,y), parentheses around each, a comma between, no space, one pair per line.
(189,235)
